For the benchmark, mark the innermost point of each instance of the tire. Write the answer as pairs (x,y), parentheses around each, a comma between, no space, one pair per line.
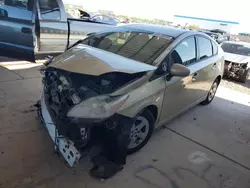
(210,96)
(244,77)
(145,115)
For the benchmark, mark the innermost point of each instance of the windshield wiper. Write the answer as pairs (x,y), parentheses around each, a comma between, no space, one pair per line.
(51,10)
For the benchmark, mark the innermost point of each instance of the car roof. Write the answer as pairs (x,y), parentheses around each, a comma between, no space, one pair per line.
(152,28)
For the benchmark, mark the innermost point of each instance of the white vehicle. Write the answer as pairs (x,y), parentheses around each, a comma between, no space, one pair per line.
(237,60)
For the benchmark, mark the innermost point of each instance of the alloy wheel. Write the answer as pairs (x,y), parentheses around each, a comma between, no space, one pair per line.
(212,91)
(139,132)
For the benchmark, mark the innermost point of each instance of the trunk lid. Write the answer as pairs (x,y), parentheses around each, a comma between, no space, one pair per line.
(92,61)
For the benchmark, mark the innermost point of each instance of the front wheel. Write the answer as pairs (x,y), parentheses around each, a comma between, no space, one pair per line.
(211,93)
(141,131)
(244,77)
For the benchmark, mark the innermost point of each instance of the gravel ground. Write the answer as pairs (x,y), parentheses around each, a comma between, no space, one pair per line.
(233,84)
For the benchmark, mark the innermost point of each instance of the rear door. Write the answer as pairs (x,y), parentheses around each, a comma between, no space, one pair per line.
(17,28)
(207,62)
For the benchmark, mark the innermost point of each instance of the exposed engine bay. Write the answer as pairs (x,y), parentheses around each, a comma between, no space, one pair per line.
(63,90)
(235,70)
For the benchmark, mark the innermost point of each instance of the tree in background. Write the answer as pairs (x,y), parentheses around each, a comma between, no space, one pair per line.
(193,27)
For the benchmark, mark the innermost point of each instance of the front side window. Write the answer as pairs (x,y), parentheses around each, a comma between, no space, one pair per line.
(142,47)
(49,10)
(185,52)
(205,47)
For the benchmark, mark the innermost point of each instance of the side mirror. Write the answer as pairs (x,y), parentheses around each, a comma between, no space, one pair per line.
(179,70)
(3,13)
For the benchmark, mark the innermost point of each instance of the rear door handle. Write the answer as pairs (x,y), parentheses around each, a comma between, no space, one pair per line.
(194,76)
(26,30)
(214,65)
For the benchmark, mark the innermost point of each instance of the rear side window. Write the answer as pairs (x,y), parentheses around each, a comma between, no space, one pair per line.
(215,48)
(185,52)
(142,47)
(205,47)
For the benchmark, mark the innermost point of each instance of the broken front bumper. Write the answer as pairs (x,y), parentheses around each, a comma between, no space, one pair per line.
(65,146)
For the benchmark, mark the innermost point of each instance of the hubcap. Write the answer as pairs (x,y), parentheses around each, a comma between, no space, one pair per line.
(212,91)
(139,132)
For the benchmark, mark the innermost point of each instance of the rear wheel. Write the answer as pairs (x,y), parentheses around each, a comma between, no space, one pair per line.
(141,131)
(211,93)
(244,77)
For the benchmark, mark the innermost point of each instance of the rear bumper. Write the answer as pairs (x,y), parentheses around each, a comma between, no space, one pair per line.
(64,145)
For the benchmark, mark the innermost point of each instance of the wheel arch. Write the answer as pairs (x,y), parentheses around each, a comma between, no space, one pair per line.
(219,79)
(153,109)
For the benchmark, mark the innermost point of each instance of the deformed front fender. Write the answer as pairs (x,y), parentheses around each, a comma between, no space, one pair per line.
(151,93)
(133,110)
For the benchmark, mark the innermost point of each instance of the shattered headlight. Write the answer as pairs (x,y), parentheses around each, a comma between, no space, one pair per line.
(100,107)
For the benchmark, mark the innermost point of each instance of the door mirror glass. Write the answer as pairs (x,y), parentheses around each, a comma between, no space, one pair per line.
(3,13)
(179,70)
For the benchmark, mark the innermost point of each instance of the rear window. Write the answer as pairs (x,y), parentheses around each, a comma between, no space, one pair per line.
(142,47)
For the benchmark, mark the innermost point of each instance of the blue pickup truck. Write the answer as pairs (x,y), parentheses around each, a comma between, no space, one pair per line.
(32,27)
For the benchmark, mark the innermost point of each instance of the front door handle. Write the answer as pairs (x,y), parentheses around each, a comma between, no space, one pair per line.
(26,30)
(194,76)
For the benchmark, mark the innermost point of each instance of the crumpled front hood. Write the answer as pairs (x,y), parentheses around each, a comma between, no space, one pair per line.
(237,58)
(88,60)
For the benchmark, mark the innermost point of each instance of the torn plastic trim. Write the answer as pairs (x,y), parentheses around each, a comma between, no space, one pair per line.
(66,147)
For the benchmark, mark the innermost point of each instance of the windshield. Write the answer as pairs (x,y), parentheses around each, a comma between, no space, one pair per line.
(138,46)
(236,49)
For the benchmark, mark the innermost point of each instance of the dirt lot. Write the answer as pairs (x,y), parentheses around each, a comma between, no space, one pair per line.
(206,147)
(241,87)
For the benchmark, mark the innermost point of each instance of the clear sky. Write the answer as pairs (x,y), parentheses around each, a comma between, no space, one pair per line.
(229,10)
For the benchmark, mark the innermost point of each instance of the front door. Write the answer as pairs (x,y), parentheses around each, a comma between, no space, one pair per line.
(180,93)
(17,25)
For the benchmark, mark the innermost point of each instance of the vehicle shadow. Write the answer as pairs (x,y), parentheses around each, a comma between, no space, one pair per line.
(39,59)
(6,59)
(18,70)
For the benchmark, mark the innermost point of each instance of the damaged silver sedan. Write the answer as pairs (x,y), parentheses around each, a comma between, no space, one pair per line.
(138,76)
(237,60)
